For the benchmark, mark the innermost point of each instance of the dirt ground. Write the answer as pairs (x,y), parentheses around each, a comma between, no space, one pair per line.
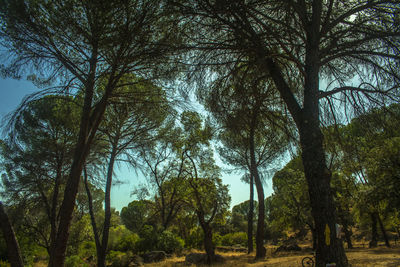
(358,257)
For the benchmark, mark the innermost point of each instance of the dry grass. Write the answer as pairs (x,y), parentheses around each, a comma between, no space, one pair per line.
(358,257)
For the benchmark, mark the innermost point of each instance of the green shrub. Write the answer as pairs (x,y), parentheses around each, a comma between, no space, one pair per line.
(195,238)
(116,235)
(118,258)
(217,239)
(239,238)
(169,242)
(4,264)
(87,249)
(75,261)
(128,243)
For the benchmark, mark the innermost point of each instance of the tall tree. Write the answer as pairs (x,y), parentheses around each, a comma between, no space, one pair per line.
(351,45)
(37,159)
(86,42)
(131,119)
(206,195)
(252,135)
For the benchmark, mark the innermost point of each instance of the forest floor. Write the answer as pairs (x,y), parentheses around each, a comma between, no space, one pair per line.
(358,257)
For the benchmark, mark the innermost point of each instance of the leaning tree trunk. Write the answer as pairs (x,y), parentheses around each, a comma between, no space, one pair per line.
(13,251)
(374,231)
(250,218)
(382,227)
(90,120)
(260,249)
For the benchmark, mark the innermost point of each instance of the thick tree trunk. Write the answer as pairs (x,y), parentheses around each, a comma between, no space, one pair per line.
(250,218)
(208,243)
(329,249)
(382,227)
(13,251)
(374,231)
(314,238)
(260,249)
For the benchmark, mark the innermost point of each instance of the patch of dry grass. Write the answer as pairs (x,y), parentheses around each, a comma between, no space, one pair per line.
(358,257)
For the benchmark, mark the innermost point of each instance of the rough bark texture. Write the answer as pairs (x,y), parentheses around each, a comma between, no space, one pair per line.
(250,218)
(329,249)
(208,244)
(13,251)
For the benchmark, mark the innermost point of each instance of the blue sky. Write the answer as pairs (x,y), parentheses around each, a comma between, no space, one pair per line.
(12,93)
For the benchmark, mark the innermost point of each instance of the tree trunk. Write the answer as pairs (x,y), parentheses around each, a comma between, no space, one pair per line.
(260,249)
(13,251)
(92,216)
(250,218)
(329,248)
(314,238)
(347,235)
(89,124)
(208,243)
(374,232)
(101,259)
(382,227)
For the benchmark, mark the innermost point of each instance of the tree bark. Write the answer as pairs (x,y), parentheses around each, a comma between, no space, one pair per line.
(260,249)
(329,249)
(101,258)
(13,250)
(374,231)
(92,216)
(382,227)
(250,218)
(89,124)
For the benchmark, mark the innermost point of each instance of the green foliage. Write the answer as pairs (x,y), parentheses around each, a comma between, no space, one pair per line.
(128,243)
(169,242)
(238,238)
(4,264)
(116,235)
(118,258)
(195,238)
(136,215)
(75,261)
(148,239)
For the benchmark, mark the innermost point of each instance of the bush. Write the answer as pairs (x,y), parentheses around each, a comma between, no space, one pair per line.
(75,261)
(195,238)
(148,239)
(217,239)
(128,243)
(116,235)
(169,242)
(239,238)
(87,250)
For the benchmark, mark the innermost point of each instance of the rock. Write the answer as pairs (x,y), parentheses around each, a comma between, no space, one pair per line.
(154,256)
